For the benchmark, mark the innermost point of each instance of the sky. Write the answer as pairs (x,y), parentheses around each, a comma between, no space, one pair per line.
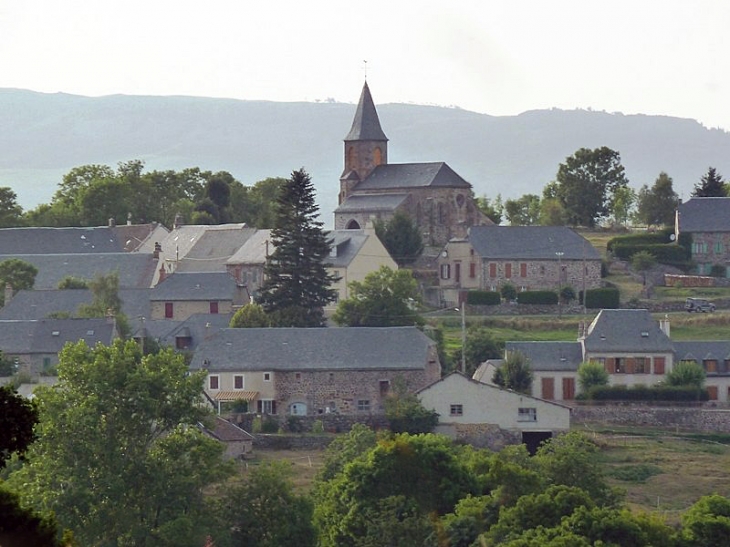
(667,57)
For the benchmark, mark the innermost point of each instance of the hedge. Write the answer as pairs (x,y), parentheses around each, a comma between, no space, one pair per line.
(663,253)
(537,297)
(607,298)
(647,393)
(483,298)
(654,238)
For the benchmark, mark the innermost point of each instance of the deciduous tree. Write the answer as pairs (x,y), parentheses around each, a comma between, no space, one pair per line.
(385,298)
(656,205)
(524,211)
(514,373)
(585,183)
(119,458)
(18,273)
(591,374)
(18,417)
(401,237)
(250,316)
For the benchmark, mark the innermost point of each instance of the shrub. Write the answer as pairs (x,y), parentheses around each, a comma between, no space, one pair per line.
(666,253)
(717,270)
(606,298)
(567,294)
(294,424)
(538,297)
(508,291)
(591,375)
(646,393)
(686,373)
(317,426)
(269,425)
(483,298)
(635,473)
(654,238)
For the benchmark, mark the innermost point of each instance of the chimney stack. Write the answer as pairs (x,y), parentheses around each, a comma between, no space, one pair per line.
(157,251)
(8,293)
(664,325)
(163,274)
(112,222)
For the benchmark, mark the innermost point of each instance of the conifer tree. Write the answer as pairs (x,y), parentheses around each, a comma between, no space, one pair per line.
(297,284)
(711,185)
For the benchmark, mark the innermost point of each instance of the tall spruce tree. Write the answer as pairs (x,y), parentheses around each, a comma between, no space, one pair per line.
(711,185)
(297,284)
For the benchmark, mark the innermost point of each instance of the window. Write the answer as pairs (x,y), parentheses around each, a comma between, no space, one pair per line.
(298,376)
(718,247)
(641,365)
(712,392)
(542,270)
(266,406)
(332,377)
(267,376)
(46,363)
(456,410)
(214,307)
(659,364)
(472,270)
(492,270)
(384,387)
(168,310)
(523,270)
(508,270)
(526,414)
(457,272)
(445,271)
(238,382)
(619,365)
(710,365)
(213,382)
(363,405)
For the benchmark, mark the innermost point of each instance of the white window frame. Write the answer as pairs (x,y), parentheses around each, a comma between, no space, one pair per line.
(267,376)
(527,414)
(218,381)
(363,405)
(456,409)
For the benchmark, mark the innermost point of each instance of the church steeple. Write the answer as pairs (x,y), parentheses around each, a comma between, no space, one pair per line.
(366,146)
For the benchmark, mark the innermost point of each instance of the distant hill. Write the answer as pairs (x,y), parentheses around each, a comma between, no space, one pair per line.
(43,136)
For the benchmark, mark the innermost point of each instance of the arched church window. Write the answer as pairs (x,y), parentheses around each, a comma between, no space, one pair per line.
(352,225)
(460,200)
(441,213)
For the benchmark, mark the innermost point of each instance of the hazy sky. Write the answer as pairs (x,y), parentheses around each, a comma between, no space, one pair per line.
(497,57)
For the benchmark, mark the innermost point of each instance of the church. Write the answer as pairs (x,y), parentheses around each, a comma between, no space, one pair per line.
(439,201)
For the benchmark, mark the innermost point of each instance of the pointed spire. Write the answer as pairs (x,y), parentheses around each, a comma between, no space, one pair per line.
(366,125)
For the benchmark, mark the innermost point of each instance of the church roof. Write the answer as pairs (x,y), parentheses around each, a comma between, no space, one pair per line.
(366,125)
(359,203)
(412,175)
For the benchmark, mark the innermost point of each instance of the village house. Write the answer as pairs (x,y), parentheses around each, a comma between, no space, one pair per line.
(634,349)
(707,220)
(486,415)
(439,201)
(528,257)
(300,371)
(181,295)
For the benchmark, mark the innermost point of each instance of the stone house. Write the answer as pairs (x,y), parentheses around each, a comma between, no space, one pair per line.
(528,257)
(634,349)
(473,411)
(309,372)
(707,220)
(237,441)
(432,194)
(181,295)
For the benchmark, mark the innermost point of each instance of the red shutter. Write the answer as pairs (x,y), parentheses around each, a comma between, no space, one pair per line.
(492,270)
(548,389)
(472,270)
(168,310)
(508,270)
(659,365)
(568,389)
(523,270)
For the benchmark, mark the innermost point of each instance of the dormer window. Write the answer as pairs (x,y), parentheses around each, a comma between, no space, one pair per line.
(333,252)
(644,334)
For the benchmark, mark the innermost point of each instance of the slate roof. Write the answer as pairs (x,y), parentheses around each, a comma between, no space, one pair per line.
(135,270)
(549,356)
(39,304)
(23,241)
(360,203)
(351,348)
(412,175)
(140,237)
(705,215)
(213,248)
(699,351)
(198,327)
(347,244)
(626,331)
(225,431)
(254,250)
(195,286)
(50,335)
(366,124)
(530,243)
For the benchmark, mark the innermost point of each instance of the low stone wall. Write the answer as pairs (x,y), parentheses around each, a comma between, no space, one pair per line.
(331,423)
(690,418)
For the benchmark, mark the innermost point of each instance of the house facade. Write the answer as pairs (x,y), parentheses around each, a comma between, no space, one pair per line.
(528,257)
(467,408)
(315,371)
(632,347)
(707,220)
(181,295)
(439,201)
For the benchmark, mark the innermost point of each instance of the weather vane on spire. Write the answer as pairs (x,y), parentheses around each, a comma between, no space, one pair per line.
(365,68)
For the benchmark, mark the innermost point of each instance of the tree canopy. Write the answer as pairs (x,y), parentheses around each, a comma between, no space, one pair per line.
(514,373)
(119,458)
(297,285)
(18,273)
(586,182)
(385,298)
(711,185)
(401,237)
(18,417)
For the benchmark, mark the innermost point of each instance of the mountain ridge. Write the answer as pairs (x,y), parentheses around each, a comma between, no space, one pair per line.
(44,135)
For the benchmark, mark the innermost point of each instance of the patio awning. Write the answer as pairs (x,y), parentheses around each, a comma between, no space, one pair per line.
(235,395)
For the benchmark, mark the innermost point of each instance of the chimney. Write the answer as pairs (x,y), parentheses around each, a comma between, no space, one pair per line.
(110,315)
(129,219)
(157,251)
(112,222)
(178,221)
(163,274)
(8,293)
(664,326)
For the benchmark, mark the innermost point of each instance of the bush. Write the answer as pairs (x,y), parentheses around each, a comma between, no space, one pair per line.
(591,375)
(606,298)
(717,270)
(269,425)
(567,294)
(508,291)
(483,298)
(317,426)
(666,253)
(647,393)
(635,473)
(538,297)
(294,424)
(654,238)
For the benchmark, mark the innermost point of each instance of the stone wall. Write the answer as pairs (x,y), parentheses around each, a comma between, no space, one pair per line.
(687,418)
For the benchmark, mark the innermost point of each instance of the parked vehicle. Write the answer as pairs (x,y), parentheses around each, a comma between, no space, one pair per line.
(698,305)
